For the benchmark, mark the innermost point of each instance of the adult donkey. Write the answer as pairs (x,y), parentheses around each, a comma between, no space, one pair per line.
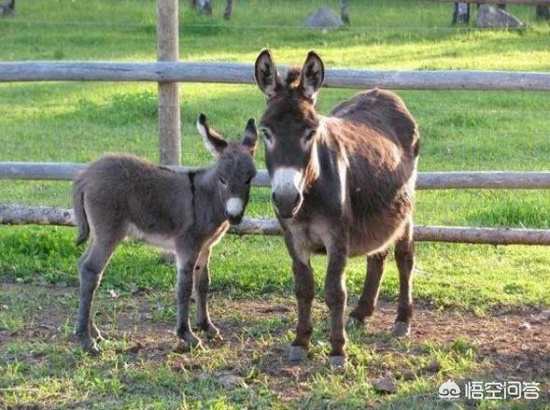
(341,185)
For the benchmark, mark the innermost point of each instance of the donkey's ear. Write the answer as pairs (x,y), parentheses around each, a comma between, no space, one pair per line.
(313,75)
(213,141)
(250,140)
(266,74)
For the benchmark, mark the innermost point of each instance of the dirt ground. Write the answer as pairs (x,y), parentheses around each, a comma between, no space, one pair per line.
(514,344)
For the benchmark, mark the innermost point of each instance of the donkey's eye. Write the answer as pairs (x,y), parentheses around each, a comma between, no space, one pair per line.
(223,181)
(266,134)
(310,135)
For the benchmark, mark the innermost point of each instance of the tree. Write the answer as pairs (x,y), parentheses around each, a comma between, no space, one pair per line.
(206,6)
(203,6)
(228,9)
(543,12)
(344,11)
(461,13)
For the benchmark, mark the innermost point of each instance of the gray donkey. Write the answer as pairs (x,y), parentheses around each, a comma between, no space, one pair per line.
(184,212)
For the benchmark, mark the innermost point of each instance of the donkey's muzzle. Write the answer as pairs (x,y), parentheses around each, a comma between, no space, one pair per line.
(234,219)
(286,205)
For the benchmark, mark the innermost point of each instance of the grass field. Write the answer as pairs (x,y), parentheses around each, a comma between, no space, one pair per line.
(472,299)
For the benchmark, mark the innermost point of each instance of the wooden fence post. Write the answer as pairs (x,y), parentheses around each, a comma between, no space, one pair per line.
(168,93)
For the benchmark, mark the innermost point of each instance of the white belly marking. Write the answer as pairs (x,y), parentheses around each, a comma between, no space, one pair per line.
(160,241)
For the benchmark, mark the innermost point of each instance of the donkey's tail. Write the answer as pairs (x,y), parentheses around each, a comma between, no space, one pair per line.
(80,213)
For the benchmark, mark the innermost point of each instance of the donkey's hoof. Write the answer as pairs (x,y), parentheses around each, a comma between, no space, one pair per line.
(212,332)
(297,354)
(92,349)
(337,361)
(357,318)
(214,335)
(190,338)
(196,344)
(401,329)
(96,335)
(182,347)
(88,344)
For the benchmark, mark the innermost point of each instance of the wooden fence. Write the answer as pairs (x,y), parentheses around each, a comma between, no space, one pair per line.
(168,72)
(234,73)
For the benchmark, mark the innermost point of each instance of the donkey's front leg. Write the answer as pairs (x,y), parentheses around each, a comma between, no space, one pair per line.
(335,297)
(304,287)
(186,261)
(202,284)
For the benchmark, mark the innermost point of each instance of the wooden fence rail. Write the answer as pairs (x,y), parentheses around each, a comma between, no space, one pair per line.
(41,215)
(243,74)
(426,180)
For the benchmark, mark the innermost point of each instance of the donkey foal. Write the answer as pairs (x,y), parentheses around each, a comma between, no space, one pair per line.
(184,212)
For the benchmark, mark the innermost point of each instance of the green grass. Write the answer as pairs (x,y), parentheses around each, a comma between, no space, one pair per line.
(41,364)
(77,122)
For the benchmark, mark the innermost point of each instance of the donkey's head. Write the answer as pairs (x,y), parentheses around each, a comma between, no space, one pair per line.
(234,169)
(289,126)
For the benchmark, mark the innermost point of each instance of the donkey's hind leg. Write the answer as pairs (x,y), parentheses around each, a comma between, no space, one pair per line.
(94,331)
(404,257)
(91,267)
(369,297)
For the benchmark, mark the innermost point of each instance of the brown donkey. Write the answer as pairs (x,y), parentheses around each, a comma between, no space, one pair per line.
(184,212)
(341,185)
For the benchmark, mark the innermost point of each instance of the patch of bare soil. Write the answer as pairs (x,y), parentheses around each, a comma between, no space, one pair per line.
(510,344)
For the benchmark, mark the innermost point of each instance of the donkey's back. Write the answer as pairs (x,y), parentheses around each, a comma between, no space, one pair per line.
(382,112)
(122,190)
(380,140)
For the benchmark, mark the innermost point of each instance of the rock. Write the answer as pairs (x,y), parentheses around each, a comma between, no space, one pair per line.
(135,348)
(408,375)
(387,385)
(433,367)
(337,362)
(525,326)
(325,17)
(490,17)
(297,354)
(543,316)
(178,366)
(230,381)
